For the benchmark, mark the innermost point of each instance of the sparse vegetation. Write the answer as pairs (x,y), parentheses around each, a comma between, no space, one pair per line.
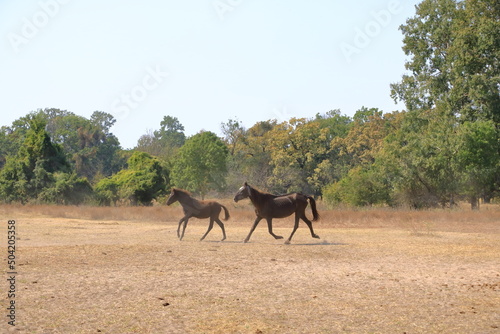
(367,274)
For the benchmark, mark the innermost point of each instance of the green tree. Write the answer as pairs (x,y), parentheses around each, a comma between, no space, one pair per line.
(420,158)
(164,142)
(365,137)
(454,70)
(427,40)
(362,186)
(234,133)
(200,164)
(454,54)
(335,163)
(478,159)
(298,147)
(90,147)
(338,125)
(255,154)
(145,179)
(39,171)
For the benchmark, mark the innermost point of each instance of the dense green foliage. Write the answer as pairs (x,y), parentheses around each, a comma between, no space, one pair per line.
(200,164)
(39,171)
(445,147)
(144,180)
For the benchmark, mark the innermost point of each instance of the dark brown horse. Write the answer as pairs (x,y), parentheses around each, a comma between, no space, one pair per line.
(198,209)
(271,206)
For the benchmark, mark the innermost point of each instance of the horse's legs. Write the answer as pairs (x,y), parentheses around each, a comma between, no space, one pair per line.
(309,224)
(221,224)
(184,228)
(270,228)
(179,227)
(209,228)
(295,227)
(255,223)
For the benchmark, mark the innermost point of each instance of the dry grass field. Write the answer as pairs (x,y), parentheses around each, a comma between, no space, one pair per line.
(123,270)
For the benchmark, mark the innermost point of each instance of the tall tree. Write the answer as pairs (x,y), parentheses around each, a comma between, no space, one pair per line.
(298,146)
(251,160)
(164,142)
(454,65)
(39,171)
(233,133)
(427,40)
(201,164)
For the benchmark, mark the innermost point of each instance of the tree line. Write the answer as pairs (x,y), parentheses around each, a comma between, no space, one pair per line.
(445,147)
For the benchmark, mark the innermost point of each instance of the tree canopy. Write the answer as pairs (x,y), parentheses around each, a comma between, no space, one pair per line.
(200,164)
(444,148)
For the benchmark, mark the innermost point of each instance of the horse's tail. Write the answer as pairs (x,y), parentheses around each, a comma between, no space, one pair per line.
(313,207)
(226,212)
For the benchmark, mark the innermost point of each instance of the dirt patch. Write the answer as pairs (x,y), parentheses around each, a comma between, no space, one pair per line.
(131,276)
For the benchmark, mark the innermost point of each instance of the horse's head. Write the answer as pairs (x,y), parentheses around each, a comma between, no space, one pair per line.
(243,192)
(173,197)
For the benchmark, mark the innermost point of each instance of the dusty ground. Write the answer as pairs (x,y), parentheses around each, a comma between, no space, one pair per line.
(371,272)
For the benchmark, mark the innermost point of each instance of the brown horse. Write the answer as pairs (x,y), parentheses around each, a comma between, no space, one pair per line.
(271,206)
(198,209)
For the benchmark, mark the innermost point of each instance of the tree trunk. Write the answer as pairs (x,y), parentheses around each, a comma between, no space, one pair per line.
(474,202)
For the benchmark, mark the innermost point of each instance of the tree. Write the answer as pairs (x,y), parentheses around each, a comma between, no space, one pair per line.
(455,59)
(88,144)
(171,132)
(164,142)
(362,186)
(103,121)
(427,38)
(145,179)
(420,159)
(251,159)
(478,159)
(454,71)
(338,125)
(298,147)
(200,164)
(39,171)
(233,133)
(365,136)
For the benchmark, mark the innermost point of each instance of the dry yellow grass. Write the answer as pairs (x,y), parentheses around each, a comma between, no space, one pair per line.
(122,270)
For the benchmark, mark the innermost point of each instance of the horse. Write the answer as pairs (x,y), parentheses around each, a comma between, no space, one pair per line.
(270,206)
(198,209)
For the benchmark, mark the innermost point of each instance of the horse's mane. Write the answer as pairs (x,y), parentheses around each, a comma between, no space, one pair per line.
(185,192)
(265,193)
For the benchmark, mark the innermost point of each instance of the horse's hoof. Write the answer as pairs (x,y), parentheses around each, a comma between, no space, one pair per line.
(316,236)
(245,241)
(287,242)
(278,237)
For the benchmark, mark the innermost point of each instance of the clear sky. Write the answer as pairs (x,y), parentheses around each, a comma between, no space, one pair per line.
(202,61)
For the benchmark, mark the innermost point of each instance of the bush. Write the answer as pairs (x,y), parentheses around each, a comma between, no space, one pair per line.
(361,187)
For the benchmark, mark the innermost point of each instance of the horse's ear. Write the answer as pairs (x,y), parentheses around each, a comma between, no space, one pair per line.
(246,184)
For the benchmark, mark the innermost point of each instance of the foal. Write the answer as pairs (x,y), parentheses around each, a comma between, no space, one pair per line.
(198,209)
(271,206)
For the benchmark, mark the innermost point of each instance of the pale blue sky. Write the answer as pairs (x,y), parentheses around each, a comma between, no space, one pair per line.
(202,61)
